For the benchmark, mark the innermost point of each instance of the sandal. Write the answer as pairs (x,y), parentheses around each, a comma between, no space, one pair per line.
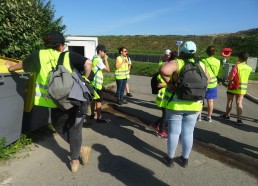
(85,154)
(103,120)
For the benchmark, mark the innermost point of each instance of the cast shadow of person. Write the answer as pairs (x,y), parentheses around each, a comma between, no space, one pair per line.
(124,170)
(232,122)
(225,143)
(143,116)
(119,129)
(47,138)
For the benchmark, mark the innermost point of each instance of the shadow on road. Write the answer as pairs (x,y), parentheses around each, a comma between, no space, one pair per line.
(128,172)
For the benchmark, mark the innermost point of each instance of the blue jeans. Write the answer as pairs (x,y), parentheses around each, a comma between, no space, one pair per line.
(120,84)
(180,122)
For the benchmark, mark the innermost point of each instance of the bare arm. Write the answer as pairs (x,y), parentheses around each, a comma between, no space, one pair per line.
(107,69)
(13,67)
(87,67)
(117,65)
(167,70)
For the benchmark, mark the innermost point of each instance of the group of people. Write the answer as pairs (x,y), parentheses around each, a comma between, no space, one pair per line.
(178,116)
(41,62)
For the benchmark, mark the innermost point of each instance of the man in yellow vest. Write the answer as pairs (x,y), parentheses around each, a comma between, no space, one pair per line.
(212,65)
(181,114)
(97,67)
(242,70)
(41,62)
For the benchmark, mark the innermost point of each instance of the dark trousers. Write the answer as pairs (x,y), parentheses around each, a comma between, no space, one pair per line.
(64,123)
(120,84)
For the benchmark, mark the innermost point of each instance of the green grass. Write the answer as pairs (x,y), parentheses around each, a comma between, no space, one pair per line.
(8,151)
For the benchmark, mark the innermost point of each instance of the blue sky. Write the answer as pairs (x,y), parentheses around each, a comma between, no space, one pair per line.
(156,17)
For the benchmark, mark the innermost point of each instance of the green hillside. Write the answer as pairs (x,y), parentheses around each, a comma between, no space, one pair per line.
(156,44)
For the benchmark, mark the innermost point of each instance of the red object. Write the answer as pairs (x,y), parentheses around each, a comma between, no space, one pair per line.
(233,78)
(226,52)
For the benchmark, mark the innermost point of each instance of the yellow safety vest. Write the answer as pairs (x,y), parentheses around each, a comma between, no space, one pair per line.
(243,72)
(213,65)
(160,101)
(48,58)
(98,78)
(179,104)
(123,71)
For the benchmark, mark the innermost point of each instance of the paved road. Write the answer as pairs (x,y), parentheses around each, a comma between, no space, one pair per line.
(127,151)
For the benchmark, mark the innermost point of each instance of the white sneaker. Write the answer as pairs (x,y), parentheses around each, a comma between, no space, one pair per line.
(208,118)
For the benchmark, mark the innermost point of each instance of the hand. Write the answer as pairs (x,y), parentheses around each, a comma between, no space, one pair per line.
(8,64)
(105,57)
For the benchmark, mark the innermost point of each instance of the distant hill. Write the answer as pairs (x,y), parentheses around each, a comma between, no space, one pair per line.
(156,44)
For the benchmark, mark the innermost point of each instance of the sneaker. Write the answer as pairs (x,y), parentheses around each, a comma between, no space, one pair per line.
(169,162)
(119,102)
(199,118)
(129,94)
(208,118)
(163,134)
(183,161)
(155,126)
(239,122)
(92,116)
(224,116)
(124,101)
(75,166)
(85,154)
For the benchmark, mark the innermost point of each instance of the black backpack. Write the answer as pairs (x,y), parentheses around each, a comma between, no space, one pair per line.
(192,82)
(154,84)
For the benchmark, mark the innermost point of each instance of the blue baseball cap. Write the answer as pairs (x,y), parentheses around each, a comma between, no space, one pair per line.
(188,47)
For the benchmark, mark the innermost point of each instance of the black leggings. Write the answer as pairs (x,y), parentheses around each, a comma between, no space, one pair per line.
(64,123)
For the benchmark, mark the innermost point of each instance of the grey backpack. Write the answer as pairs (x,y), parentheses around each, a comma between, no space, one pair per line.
(60,83)
(192,82)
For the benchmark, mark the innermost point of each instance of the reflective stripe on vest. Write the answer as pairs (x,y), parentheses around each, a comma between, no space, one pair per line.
(122,72)
(183,105)
(48,59)
(243,71)
(98,78)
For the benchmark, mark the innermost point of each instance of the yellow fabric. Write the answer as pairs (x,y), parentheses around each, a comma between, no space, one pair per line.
(123,71)
(183,105)
(48,59)
(213,66)
(98,78)
(160,101)
(244,71)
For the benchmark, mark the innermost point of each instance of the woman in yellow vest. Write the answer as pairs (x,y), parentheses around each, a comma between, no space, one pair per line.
(97,68)
(161,125)
(243,71)
(181,114)
(212,65)
(121,72)
(41,63)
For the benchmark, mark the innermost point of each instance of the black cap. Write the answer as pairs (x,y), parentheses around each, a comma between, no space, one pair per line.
(101,47)
(56,38)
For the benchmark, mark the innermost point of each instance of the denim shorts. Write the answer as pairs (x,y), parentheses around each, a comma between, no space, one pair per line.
(211,93)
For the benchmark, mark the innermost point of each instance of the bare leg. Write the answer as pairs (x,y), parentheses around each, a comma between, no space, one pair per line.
(230,98)
(239,101)
(210,106)
(127,88)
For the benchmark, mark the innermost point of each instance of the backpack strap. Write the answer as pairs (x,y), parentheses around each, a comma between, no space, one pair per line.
(60,59)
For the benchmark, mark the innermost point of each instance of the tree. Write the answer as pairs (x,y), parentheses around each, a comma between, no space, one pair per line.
(22,25)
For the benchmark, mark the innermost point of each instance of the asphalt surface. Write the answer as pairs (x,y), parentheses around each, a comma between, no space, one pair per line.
(128,152)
